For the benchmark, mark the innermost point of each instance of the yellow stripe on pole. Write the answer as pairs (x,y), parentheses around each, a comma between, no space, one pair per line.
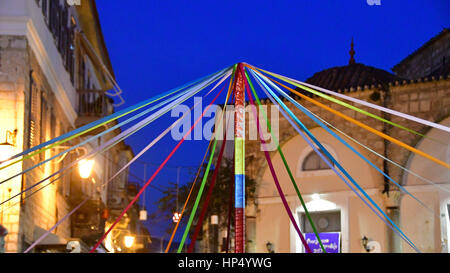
(239,147)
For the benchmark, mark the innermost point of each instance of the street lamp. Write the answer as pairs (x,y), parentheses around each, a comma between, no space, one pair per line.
(128,241)
(365,241)
(269,247)
(143,215)
(85,167)
(176,217)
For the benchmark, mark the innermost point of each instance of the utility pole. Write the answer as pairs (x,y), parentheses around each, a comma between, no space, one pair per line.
(161,240)
(178,183)
(145,180)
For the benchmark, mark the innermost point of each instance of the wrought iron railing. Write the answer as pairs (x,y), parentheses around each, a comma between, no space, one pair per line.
(93,103)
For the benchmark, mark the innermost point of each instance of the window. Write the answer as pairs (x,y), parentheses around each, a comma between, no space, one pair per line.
(325,221)
(314,162)
(62,26)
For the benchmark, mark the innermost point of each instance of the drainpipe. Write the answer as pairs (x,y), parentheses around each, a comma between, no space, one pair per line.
(390,192)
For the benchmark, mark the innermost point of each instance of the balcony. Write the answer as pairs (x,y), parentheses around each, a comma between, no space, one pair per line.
(88,222)
(92,105)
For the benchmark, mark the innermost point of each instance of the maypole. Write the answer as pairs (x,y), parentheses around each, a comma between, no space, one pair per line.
(239,160)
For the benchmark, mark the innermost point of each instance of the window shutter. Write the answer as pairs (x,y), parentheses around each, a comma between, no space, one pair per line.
(34,128)
(43,123)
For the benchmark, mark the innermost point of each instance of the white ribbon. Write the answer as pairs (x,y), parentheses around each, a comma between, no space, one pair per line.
(387,110)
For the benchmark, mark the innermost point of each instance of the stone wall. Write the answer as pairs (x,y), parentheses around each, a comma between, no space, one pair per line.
(44,208)
(428,99)
(13,64)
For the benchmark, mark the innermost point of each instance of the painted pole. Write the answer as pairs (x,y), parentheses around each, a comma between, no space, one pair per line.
(239,160)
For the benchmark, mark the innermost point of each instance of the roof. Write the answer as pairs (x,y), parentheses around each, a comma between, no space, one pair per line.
(420,49)
(91,27)
(443,70)
(352,75)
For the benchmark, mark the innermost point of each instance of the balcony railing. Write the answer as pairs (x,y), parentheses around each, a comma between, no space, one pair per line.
(93,103)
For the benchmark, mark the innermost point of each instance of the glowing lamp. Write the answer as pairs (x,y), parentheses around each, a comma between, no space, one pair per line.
(143,215)
(85,167)
(128,241)
(176,217)
(315,196)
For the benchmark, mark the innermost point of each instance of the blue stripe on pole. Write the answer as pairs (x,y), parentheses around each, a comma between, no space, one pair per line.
(239,194)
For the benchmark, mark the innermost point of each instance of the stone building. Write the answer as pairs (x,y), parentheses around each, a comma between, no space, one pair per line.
(431,59)
(420,87)
(55,76)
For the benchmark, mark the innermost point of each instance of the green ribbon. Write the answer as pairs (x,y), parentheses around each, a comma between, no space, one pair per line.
(320,94)
(285,163)
(205,177)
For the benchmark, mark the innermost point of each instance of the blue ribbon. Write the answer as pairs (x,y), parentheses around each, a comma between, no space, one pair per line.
(322,147)
(115,115)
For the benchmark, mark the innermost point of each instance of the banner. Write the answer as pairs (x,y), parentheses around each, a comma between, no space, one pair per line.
(330,240)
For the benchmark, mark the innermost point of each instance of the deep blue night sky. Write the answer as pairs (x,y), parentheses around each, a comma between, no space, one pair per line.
(155,46)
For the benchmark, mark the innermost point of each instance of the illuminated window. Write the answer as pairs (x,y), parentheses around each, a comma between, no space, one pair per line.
(314,162)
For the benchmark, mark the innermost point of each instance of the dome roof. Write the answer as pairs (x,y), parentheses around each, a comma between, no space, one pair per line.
(352,75)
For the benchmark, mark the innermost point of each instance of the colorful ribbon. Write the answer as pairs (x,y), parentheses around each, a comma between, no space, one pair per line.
(107,145)
(126,166)
(275,178)
(151,178)
(286,165)
(202,185)
(98,123)
(365,103)
(325,150)
(195,180)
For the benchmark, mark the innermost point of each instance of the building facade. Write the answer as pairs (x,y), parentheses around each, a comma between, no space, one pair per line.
(416,89)
(55,76)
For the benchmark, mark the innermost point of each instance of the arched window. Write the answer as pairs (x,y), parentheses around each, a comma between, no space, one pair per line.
(314,162)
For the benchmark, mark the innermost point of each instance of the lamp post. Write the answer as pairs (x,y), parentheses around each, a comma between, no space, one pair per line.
(178,182)
(177,215)
(214,233)
(143,211)
(161,240)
